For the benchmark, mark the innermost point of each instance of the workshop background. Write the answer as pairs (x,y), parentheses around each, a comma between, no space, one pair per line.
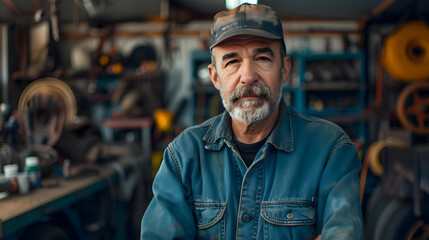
(92,91)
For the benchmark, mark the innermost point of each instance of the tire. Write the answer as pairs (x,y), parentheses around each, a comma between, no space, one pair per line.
(383,221)
(397,222)
(376,204)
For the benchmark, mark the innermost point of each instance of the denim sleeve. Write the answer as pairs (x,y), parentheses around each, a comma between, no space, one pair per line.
(168,215)
(339,209)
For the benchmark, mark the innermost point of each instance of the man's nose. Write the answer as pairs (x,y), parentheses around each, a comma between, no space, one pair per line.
(248,73)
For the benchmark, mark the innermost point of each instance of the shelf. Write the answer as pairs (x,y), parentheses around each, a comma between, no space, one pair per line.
(323,85)
(328,112)
(331,86)
(206,88)
(201,56)
(333,56)
(290,89)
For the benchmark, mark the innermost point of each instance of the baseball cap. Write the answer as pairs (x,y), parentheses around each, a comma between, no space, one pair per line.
(246,19)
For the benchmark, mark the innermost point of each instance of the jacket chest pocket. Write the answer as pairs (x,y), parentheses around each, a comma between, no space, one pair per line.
(295,219)
(209,220)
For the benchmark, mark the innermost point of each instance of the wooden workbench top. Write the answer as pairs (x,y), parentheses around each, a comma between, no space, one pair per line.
(56,194)
(16,204)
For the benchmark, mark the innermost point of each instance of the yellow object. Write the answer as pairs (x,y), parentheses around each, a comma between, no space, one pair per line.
(117,68)
(406,54)
(374,152)
(318,105)
(103,60)
(163,120)
(156,162)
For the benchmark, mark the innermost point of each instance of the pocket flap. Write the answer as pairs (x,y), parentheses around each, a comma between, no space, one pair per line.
(208,214)
(289,213)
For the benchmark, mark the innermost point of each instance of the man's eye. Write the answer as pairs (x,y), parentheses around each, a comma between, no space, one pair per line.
(262,58)
(231,62)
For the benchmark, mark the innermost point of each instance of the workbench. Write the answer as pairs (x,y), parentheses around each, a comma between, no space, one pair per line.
(20,211)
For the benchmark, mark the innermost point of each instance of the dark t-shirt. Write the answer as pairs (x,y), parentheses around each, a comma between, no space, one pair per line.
(248,151)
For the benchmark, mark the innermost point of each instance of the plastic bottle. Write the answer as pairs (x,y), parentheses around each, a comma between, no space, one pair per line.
(34,172)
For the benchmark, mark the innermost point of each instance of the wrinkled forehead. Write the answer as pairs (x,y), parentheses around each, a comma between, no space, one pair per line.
(247,41)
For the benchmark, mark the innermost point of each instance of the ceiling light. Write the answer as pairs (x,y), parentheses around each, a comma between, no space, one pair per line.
(230,4)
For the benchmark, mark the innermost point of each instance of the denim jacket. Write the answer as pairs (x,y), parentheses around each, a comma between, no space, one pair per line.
(303,182)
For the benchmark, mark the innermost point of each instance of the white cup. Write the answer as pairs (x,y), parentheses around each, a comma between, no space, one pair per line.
(10,171)
(23,183)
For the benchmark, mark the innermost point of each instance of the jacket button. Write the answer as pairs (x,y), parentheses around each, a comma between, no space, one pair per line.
(246,217)
(290,216)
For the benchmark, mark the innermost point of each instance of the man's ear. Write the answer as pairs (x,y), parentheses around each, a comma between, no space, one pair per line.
(213,76)
(286,68)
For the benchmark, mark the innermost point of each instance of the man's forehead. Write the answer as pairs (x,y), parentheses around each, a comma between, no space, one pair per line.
(246,39)
(251,43)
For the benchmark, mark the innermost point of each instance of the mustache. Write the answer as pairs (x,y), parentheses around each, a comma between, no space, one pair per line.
(258,90)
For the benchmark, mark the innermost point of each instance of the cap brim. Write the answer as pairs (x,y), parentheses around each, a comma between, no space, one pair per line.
(245,31)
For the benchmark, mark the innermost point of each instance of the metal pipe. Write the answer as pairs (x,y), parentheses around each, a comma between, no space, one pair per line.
(4,64)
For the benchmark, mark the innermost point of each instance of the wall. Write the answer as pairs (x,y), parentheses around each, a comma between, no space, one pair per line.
(306,36)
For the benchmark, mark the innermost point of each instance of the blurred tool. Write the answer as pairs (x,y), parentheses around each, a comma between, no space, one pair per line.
(143,58)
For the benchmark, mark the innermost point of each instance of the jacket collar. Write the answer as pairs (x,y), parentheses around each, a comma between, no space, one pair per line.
(281,137)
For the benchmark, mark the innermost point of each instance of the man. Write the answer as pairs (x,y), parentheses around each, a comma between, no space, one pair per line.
(260,170)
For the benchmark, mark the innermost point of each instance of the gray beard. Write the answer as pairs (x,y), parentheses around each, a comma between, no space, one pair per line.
(250,111)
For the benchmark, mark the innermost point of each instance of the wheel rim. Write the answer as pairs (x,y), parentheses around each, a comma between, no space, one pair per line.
(418,109)
(418,231)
